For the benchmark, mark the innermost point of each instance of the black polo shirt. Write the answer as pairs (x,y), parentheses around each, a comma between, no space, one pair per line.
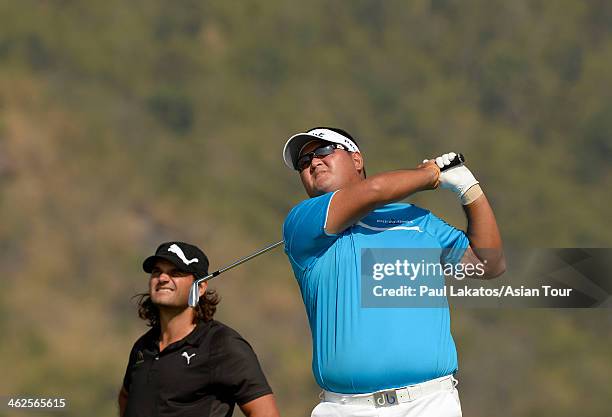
(205,374)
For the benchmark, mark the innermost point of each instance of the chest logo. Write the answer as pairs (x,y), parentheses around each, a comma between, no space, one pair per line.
(391,227)
(188,357)
(139,358)
(179,252)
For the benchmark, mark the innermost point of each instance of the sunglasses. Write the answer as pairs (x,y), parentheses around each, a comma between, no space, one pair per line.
(305,160)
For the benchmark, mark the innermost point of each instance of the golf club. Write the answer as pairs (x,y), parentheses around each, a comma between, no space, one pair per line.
(194,293)
(194,296)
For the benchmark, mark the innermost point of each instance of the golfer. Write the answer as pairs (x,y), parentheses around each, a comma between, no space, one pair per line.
(367,358)
(189,364)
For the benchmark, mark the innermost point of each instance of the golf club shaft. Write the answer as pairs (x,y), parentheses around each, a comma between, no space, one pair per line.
(193,294)
(241,261)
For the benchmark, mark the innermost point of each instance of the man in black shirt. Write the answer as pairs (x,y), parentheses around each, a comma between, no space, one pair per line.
(189,364)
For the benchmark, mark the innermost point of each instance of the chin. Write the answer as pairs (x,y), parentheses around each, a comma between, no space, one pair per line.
(323,188)
(176,307)
(314,193)
(163,302)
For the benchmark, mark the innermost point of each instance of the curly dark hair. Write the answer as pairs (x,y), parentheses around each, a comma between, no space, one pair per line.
(204,311)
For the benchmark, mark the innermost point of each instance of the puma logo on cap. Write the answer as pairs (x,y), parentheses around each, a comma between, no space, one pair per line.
(179,252)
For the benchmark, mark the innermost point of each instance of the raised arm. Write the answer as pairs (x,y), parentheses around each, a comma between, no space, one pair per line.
(485,240)
(482,231)
(356,200)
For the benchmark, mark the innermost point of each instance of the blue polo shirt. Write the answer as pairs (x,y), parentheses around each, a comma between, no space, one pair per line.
(355,349)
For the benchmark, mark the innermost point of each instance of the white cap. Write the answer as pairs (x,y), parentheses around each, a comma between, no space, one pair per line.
(294,145)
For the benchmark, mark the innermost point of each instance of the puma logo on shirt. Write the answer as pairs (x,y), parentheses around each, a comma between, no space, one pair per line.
(188,357)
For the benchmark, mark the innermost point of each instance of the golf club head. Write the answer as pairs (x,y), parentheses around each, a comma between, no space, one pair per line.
(194,296)
(194,293)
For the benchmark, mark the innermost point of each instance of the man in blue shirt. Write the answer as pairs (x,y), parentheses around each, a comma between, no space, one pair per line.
(365,358)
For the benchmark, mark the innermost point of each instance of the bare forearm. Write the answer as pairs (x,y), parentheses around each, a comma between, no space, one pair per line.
(264,406)
(356,200)
(483,234)
(123,398)
(396,185)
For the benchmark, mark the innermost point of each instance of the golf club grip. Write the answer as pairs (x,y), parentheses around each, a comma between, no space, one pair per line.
(457,160)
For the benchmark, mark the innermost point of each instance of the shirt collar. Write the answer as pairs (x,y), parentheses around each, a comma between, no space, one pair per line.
(193,339)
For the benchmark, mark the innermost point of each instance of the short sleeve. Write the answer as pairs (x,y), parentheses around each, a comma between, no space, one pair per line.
(449,237)
(304,230)
(238,368)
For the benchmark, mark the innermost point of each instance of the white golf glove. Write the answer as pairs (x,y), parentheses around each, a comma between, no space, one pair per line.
(458,179)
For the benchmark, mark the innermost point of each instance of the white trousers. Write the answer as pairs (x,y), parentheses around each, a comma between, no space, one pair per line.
(438,404)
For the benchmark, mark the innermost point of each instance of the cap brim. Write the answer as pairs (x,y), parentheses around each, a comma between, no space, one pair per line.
(149,263)
(294,146)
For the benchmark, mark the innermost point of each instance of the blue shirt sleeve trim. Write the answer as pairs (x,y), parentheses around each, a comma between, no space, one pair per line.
(327,215)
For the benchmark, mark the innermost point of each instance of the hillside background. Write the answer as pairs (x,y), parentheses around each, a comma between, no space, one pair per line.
(125,124)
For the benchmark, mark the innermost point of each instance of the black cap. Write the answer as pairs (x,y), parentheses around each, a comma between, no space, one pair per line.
(186,257)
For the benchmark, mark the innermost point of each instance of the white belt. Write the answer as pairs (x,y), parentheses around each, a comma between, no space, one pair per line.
(391,397)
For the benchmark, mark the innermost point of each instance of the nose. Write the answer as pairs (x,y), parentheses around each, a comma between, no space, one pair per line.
(316,161)
(164,277)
